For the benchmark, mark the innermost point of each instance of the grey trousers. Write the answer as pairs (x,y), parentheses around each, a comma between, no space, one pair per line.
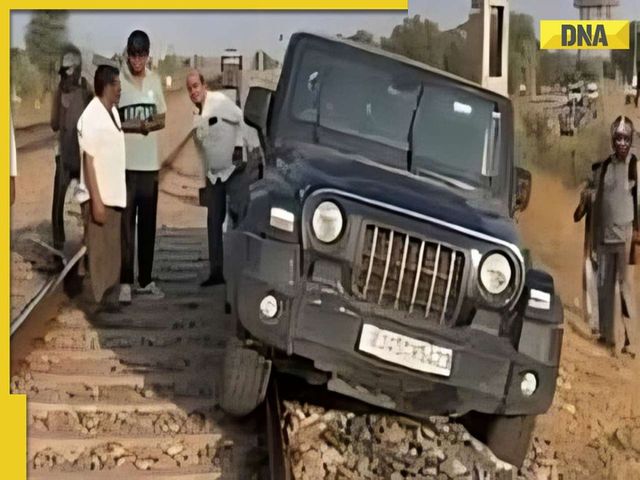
(616,296)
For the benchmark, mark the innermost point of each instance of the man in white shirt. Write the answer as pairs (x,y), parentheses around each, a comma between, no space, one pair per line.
(142,111)
(102,190)
(218,137)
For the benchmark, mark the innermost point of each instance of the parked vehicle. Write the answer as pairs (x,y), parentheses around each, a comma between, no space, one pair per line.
(378,255)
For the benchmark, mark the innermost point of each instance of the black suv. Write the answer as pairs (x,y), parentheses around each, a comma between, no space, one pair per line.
(378,254)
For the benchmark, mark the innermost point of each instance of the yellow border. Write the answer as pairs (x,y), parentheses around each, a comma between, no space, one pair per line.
(216,5)
(13,408)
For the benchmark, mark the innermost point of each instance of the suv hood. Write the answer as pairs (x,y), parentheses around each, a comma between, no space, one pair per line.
(312,167)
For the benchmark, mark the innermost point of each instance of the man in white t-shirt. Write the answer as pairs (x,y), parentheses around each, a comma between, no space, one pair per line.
(142,111)
(218,136)
(102,190)
(13,163)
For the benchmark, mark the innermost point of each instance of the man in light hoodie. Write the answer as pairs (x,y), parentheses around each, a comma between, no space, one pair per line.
(142,111)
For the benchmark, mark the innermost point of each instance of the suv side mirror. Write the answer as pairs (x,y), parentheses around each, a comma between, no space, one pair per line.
(256,109)
(523,190)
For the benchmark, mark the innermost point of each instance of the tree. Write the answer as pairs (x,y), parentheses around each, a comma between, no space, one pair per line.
(623,59)
(26,80)
(417,39)
(523,60)
(46,34)
(362,36)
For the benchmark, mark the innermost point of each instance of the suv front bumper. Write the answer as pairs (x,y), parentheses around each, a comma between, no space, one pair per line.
(323,324)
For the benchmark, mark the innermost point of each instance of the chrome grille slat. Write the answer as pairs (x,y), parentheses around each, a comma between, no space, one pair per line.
(417,281)
(386,267)
(406,273)
(434,276)
(371,258)
(402,267)
(446,293)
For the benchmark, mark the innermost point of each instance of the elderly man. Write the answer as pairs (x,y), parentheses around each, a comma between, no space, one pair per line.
(615,229)
(218,136)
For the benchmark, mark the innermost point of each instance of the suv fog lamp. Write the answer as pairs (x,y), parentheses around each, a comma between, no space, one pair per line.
(495,273)
(529,384)
(327,222)
(269,306)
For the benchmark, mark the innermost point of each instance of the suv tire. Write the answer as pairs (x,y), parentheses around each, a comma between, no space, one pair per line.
(245,376)
(509,437)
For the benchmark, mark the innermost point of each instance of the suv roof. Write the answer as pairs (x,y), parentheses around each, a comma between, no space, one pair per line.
(296,37)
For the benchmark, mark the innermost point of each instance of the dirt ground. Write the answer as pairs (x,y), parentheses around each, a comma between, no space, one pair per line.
(594,423)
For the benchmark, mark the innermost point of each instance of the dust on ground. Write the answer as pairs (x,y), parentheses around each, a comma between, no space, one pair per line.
(594,422)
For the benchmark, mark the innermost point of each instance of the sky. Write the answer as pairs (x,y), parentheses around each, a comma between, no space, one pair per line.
(209,32)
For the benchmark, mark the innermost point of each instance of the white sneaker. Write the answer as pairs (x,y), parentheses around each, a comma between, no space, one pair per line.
(125,293)
(151,291)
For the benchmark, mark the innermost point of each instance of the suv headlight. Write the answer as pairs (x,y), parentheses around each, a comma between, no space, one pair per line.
(496,273)
(327,222)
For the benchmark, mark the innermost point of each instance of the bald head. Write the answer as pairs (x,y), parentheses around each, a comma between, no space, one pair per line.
(196,87)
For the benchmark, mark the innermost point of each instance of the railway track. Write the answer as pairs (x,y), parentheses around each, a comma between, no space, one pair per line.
(131,392)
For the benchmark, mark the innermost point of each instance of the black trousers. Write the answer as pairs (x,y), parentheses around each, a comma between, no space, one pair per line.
(64,175)
(142,203)
(216,203)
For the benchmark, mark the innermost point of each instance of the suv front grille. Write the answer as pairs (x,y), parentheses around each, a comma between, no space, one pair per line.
(407,273)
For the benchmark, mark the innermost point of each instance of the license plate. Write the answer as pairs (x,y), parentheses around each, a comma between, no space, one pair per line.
(406,351)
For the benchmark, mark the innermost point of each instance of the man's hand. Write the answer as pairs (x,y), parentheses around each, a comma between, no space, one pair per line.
(135,125)
(98,212)
(636,236)
(145,127)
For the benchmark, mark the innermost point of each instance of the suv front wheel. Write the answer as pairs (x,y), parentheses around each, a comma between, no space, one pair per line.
(508,437)
(245,376)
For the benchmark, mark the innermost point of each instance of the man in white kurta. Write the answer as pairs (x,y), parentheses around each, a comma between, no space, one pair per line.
(102,190)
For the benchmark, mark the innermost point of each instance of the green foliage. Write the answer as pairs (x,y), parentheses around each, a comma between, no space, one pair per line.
(363,36)
(455,50)
(563,68)
(169,65)
(25,77)
(556,67)
(523,50)
(417,39)
(623,59)
(46,34)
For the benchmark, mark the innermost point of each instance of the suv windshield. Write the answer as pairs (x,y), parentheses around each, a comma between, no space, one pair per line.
(449,131)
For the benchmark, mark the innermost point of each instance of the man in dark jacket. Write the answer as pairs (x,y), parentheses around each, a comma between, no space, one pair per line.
(614,230)
(72,96)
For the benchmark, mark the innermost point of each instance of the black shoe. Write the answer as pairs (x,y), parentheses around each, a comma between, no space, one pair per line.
(213,280)
(58,264)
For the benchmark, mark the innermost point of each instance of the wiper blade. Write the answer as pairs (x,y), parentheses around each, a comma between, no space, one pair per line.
(448,180)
